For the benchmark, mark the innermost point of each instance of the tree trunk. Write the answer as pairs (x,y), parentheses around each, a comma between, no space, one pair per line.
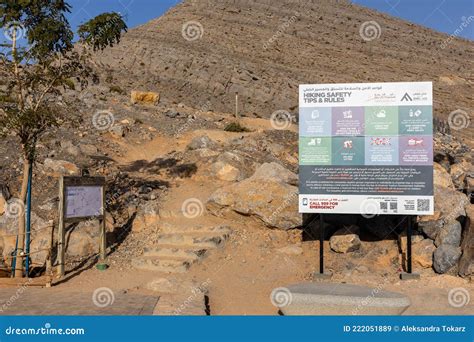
(21,220)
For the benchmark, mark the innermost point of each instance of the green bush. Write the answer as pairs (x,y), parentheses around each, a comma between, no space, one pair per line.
(235,127)
(116,89)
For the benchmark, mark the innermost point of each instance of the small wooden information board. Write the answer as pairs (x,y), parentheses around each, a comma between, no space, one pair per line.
(80,199)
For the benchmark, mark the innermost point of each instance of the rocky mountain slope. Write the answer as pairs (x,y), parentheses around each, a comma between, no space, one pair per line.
(263,49)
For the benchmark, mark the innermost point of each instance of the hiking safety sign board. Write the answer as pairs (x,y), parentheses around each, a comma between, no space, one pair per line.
(366,148)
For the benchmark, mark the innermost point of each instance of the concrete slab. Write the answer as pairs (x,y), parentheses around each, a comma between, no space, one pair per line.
(409,276)
(342,299)
(322,276)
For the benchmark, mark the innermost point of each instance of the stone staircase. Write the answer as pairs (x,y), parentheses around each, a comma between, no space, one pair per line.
(177,248)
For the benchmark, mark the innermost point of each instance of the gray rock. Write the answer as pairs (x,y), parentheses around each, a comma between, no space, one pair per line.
(450,234)
(201,142)
(172,113)
(466,263)
(88,149)
(68,147)
(83,240)
(225,171)
(338,299)
(345,240)
(431,228)
(275,171)
(450,203)
(445,257)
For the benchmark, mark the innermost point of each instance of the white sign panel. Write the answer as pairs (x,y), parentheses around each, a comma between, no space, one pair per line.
(366,148)
(83,201)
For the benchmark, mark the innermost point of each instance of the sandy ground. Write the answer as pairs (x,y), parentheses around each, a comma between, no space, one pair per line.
(242,274)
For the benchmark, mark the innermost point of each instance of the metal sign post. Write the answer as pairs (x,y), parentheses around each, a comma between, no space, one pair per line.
(409,275)
(81,199)
(322,235)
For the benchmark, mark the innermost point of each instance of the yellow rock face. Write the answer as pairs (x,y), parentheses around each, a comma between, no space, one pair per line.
(144,97)
(3,204)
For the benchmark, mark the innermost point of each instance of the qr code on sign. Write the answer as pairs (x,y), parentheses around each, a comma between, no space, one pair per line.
(383,205)
(423,205)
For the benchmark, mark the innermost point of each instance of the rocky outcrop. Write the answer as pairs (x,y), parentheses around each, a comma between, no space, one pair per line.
(345,240)
(274,47)
(466,263)
(144,97)
(271,199)
(60,168)
(41,231)
(147,217)
(446,257)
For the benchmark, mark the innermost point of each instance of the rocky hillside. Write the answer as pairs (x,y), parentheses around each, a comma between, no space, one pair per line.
(263,49)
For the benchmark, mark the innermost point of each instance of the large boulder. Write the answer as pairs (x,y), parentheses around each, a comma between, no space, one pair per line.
(225,171)
(450,234)
(230,167)
(431,228)
(466,263)
(40,237)
(82,240)
(345,240)
(202,141)
(449,204)
(445,257)
(276,172)
(273,201)
(441,177)
(423,253)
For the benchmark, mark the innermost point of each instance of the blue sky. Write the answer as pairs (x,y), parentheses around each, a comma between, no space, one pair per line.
(441,15)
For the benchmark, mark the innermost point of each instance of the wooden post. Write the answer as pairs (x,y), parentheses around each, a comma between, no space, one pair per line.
(61,233)
(237,115)
(103,240)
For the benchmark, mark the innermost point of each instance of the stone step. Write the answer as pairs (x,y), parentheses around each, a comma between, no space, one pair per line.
(195,241)
(157,264)
(167,228)
(175,253)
